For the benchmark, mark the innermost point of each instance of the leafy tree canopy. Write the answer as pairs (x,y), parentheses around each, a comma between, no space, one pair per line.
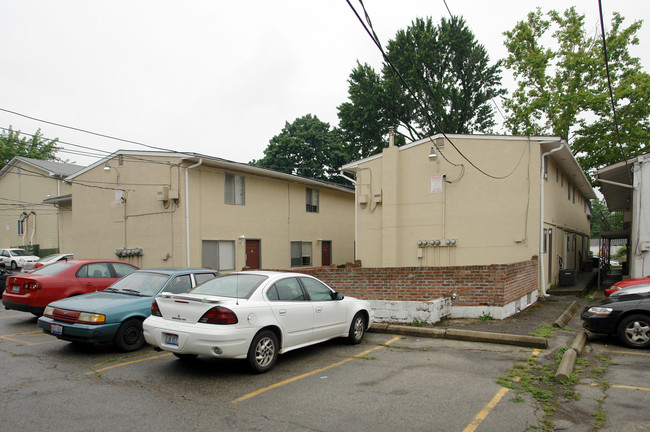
(308,148)
(446,69)
(35,147)
(563,90)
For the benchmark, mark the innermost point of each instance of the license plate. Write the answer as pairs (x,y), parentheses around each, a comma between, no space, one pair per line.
(15,288)
(171,339)
(56,329)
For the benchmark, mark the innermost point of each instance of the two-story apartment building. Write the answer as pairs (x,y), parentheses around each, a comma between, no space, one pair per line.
(487,220)
(160,209)
(24,219)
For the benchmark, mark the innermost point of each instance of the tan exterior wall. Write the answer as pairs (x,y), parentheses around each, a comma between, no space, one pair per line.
(23,188)
(494,221)
(491,210)
(274,213)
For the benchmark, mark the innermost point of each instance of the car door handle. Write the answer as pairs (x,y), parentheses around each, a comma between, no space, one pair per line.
(319,309)
(283,311)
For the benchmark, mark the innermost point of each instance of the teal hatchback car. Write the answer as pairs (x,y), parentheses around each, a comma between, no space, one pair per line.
(116,314)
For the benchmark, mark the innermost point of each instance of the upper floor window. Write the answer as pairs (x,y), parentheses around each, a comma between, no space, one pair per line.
(235,189)
(312,200)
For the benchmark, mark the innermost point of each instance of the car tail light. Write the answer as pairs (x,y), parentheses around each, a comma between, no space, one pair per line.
(155,310)
(31,286)
(219,315)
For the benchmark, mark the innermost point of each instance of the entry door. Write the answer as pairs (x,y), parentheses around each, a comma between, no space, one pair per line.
(253,254)
(326,250)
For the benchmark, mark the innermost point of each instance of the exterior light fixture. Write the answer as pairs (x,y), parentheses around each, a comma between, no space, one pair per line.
(432,154)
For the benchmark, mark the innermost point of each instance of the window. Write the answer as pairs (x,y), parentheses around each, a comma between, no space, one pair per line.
(123,269)
(21,227)
(94,270)
(312,200)
(204,277)
(568,188)
(574,194)
(545,240)
(218,254)
(546,168)
(286,290)
(235,189)
(180,284)
(300,254)
(317,290)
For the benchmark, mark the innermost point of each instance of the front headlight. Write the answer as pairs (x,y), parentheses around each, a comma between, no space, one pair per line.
(596,310)
(92,318)
(614,288)
(49,310)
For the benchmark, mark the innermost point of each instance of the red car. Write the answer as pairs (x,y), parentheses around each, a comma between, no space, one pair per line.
(31,292)
(626,284)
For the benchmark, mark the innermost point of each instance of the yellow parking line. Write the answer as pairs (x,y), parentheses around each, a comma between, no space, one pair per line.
(620,386)
(626,352)
(127,363)
(14,338)
(487,409)
(305,375)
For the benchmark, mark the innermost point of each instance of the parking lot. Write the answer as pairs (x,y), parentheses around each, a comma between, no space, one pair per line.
(385,384)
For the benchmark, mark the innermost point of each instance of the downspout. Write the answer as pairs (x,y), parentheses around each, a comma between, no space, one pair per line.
(541,217)
(354,182)
(187,210)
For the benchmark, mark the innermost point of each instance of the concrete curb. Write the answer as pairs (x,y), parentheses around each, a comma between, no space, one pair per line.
(464,335)
(566,315)
(570,356)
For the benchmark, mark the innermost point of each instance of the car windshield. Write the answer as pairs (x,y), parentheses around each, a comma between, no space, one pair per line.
(233,285)
(140,283)
(19,252)
(53,268)
(48,258)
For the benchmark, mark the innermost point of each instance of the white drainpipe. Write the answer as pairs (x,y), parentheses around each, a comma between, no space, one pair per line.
(187,209)
(541,217)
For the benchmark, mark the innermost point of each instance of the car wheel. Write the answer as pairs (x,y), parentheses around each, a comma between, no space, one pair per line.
(129,336)
(14,266)
(185,357)
(634,331)
(263,351)
(357,328)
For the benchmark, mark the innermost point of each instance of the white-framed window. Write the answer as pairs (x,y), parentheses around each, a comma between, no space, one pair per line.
(312,200)
(300,254)
(235,189)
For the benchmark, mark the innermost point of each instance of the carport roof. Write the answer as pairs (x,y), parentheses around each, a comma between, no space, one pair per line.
(619,195)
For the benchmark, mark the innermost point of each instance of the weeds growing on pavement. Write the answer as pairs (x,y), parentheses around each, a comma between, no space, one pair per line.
(486,316)
(545,331)
(535,377)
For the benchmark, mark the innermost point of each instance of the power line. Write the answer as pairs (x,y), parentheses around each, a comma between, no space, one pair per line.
(371,32)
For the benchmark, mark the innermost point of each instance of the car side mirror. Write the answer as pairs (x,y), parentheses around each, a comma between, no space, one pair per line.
(337,296)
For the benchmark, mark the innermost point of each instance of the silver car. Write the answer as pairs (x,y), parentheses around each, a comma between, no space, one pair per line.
(49,259)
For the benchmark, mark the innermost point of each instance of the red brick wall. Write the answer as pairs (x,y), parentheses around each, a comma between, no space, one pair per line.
(488,285)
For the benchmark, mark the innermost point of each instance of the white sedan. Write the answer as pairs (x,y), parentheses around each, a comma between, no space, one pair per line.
(254,315)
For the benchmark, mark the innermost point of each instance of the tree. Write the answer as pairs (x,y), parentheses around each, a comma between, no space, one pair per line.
(35,147)
(450,78)
(603,219)
(563,91)
(308,148)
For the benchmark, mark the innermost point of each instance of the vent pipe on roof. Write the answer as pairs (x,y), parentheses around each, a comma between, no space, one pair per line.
(391,136)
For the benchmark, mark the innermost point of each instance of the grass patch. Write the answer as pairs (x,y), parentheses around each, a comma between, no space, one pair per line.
(486,316)
(545,331)
(417,323)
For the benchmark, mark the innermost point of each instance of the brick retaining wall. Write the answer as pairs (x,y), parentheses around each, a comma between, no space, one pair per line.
(483,285)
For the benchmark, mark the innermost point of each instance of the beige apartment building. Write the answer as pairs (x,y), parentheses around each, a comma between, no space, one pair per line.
(467,201)
(24,219)
(159,209)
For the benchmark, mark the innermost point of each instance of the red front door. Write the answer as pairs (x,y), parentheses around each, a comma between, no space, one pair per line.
(253,254)
(326,249)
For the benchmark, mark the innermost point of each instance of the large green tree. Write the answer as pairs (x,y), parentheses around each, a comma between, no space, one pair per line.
(308,148)
(446,85)
(563,89)
(14,143)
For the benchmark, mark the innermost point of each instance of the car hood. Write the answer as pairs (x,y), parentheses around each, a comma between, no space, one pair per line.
(104,302)
(632,282)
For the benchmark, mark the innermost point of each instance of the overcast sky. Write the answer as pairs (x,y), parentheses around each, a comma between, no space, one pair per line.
(215,77)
